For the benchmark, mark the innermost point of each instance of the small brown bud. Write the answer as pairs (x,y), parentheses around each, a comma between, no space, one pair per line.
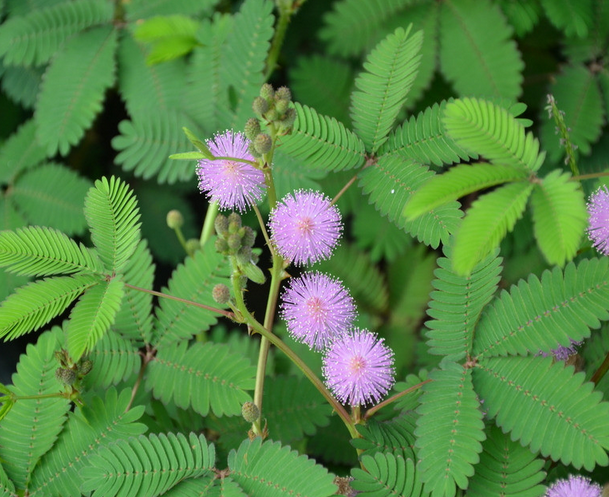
(65,376)
(220,293)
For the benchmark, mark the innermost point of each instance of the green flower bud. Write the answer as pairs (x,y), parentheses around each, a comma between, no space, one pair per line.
(175,219)
(234,242)
(263,143)
(260,106)
(248,236)
(283,93)
(244,256)
(85,367)
(221,246)
(287,122)
(221,225)
(192,245)
(221,293)
(65,376)
(253,152)
(282,106)
(250,412)
(252,128)
(267,92)
(234,222)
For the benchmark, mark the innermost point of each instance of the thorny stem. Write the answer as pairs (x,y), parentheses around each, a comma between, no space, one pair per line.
(370,412)
(228,314)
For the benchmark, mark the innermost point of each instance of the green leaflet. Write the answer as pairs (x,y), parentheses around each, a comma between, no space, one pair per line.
(274,471)
(389,73)
(33,38)
(387,475)
(100,422)
(35,304)
(36,251)
(540,315)
(476,53)
(424,139)
(20,152)
(458,182)
(204,376)
(457,303)
(322,142)
(31,427)
(507,468)
(395,437)
(449,430)
(487,221)
(142,9)
(52,195)
(391,181)
(484,128)
(567,423)
(147,465)
(73,88)
(171,37)
(208,486)
(92,316)
(559,216)
(572,16)
(193,280)
(112,214)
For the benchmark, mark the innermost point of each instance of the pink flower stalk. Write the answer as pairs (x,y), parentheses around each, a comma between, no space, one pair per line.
(317,308)
(233,184)
(358,368)
(575,486)
(598,220)
(305,227)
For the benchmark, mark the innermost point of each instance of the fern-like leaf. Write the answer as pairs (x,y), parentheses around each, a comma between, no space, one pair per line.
(204,376)
(482,127)
(322,142)
(208,486)
(170,36)
(579,97)
(487,221)
(143,9)
(274,471)
(146,142)
(449,430)
(73,88)
(31,427)
(567,423)
(354,25)
(114,360)
(559,217)
(7,487)
(21,84)
(458,182)
(395,436)
(92,316)
(36,251)
(506,468)
(390,70)
(35,304)
(477,53)
(387,476)
(539,315)
(391,181)
(424,139)
(99,422)
(19,152)
(147,465)
(193,281)
(112,213)
(457,303)
(52,195)
(290,174)
(33,38)
(575,18)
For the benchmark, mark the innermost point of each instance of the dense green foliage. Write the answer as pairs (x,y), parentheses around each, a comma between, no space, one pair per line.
(464,246)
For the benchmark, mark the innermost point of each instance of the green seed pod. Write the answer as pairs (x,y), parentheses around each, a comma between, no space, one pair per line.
(267,92)
(283,93)
(221,225)
(252,128)
(65,376)
(175,219)
(220,293)
(260,106)
(250,412)
(263,143)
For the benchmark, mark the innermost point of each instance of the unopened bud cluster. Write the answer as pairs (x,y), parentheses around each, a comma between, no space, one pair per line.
(273,106)
(234,238)
(67,373)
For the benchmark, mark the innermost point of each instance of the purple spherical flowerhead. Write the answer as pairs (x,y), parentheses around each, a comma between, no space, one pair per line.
(598,220)
(305,227)
(317,308)
(575,486)
(233,184)
(358,368)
